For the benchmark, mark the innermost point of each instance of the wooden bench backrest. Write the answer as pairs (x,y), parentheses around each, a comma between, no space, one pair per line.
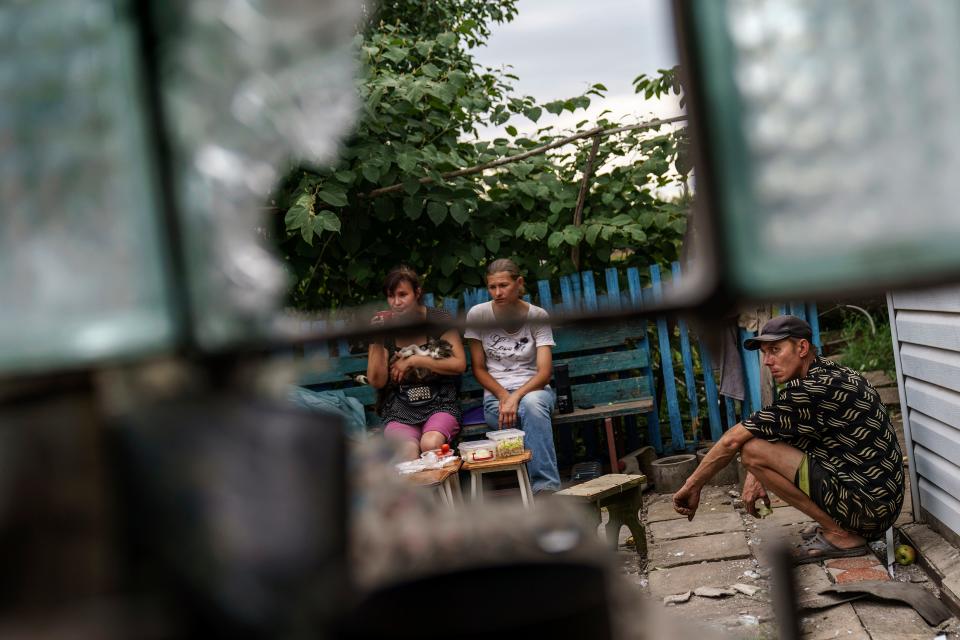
(607,364)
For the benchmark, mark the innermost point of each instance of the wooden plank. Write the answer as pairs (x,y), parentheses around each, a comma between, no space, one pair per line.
(653,418)
(686,354)
(710,390)
(945,299)
(320,348)
(335,370)
(603,487)
(577,295)
(600,412)
(784,309)
(813,318)
(546,299)
(566,294)
(751,369)
(634,288)
(428,300)
(499,462)
(343,347)
(613,288)
(936,402)
(937,366)
(527,298)
(452,306)
(611,362)
(798,309)
(666,367)
(598,393)
(589,291)
(731,411)
(572,339)
(930,328)
(433,477)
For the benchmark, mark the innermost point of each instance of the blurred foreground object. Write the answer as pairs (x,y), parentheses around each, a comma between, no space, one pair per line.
(828,141)
(140,141)
(235,514)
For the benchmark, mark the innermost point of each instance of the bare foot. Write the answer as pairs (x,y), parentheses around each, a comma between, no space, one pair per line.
(843,539)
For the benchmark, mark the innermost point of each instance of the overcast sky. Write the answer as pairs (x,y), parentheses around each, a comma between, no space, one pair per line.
(559,48)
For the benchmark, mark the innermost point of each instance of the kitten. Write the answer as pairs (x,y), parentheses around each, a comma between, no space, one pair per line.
(438,349)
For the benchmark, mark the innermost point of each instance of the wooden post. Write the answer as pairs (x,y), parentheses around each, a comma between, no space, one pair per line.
(653,418)
(666,367)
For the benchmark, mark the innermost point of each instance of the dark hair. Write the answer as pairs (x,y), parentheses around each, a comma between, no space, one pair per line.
(402,273)
(508,266)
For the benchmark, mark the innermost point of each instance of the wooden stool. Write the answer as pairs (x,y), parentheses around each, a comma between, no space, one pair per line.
(622,496)
(516,463)
(446,481)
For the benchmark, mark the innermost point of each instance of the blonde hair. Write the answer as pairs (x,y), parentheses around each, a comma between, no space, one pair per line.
(508,266)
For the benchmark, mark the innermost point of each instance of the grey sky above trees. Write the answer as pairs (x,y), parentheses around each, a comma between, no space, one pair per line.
(558,48)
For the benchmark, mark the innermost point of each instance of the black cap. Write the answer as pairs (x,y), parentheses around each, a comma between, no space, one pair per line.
(779,328)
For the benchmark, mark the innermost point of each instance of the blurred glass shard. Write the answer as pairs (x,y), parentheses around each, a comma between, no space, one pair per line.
(83,276)
(831,137)
(250,86)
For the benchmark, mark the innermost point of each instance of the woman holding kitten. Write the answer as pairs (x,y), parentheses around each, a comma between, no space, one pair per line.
(419,414)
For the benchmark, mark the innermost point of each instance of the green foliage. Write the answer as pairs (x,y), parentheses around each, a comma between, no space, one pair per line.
(423,99)
(865,350)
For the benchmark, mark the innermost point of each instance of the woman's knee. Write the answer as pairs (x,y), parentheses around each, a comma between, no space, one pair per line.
(540,401)
(432,440)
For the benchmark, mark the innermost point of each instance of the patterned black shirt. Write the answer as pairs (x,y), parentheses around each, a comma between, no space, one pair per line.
(834,416)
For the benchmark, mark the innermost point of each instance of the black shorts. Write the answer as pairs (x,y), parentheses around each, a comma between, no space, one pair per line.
(850,510)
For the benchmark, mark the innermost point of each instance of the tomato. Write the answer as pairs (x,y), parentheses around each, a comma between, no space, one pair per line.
(444,448)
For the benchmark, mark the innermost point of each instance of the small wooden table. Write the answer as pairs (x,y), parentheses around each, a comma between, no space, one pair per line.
(516,463)
(445,480)
(621,495)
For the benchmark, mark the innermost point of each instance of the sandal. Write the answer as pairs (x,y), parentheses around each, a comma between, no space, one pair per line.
(819,548)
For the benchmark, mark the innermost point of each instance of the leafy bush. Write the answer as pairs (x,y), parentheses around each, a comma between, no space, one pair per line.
(339,229)
(866,350)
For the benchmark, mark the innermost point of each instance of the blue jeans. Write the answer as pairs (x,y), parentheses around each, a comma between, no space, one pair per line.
(534,417)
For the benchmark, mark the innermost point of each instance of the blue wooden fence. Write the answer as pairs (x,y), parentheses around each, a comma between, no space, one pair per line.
(580,292)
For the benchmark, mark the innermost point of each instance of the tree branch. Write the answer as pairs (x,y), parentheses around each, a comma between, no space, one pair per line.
(596,131)
(581,197)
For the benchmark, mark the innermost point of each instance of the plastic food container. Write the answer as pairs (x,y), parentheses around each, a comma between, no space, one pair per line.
(478,451)
(509,442)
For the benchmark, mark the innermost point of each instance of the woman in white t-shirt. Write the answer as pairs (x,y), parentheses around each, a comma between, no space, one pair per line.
(513,363)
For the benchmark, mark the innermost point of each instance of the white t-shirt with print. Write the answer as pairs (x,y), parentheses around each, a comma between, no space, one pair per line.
(511,357)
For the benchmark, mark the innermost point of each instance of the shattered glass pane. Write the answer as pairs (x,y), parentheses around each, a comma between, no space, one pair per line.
(833,138)
(83,276)
(250,86)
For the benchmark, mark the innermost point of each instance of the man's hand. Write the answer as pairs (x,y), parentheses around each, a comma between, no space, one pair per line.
(508,412)
(753,491)
(686,501)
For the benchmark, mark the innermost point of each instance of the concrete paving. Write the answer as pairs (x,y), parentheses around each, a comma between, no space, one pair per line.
(724,546)
(674,553)
(701,525)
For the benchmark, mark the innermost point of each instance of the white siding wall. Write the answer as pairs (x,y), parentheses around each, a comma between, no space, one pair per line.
(926,334)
